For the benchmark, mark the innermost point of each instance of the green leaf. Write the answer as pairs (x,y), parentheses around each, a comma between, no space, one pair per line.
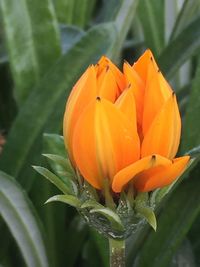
(111,216)
(148,214)
(67,199)
(91,204)
(176,218)
(188,12)
(57,181)
(123,20)
(185,45)
(40,110)
(191,133)
(69,36)
(151,15)
(54,144)
(33,50)
(18,213)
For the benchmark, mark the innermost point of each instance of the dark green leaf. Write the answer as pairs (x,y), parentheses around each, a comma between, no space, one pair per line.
(67,199)
(54,144)
(185,45)
(152,16)
(33,50)
(18,213)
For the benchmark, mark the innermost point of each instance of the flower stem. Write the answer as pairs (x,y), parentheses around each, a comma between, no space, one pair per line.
(117,253)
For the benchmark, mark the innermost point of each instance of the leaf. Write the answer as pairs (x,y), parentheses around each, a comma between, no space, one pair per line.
(191,134)
(174,222)
(151,15)
(67,199)
(40,110)
(185,45)
(91,204)
(33,50)
(189,11)
(123,20)
(18,213)
(54,144)
(69,36)
(57,181)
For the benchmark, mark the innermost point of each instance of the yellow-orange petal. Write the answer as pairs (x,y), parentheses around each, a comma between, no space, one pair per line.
(157,92)
(161,176)
(107,85)
(82,93)
(133,79)
(103,63)
(129,173)
(142,64)
(126,103)
(103,142)
(163,136)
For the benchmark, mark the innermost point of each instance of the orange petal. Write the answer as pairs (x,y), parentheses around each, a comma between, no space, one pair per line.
(104,62)
(163,136)
(142,65)
(129,173)
(82,93)
(126,103)
(107,85)
(103,142)
(161,176)
(137,84)
(156,94)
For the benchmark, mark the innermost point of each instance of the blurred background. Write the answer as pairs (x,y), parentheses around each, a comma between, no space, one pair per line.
(44,47)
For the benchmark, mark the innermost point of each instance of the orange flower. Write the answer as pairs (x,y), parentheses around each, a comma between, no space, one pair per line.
(124,127)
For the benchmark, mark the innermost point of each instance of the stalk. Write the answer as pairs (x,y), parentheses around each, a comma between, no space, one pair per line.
(117,253)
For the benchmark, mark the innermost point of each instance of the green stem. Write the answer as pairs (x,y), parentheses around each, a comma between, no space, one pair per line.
(117,253)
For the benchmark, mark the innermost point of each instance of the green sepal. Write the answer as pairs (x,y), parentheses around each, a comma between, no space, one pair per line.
(148,214)
(67,199)
(57,181)
(144,210)
(91,204)
(54,144)
(62,165)
(113,218)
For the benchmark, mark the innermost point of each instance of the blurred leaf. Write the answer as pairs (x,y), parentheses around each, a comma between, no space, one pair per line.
(33,50)
(188,13)
(69,36)
(185,45)
(174,222)
(184,256)
(123,20)
(76,234)
(191,134)
(109,10)
(151,15)
(57,181)
(54,143)
(18,213)
(74,12)
(22,141)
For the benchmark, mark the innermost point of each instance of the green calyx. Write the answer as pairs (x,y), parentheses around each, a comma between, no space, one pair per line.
(114,216)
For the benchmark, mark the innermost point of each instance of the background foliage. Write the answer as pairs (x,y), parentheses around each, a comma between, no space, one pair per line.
(44,47)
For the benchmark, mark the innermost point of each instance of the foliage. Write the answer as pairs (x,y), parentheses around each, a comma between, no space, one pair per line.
(44,47)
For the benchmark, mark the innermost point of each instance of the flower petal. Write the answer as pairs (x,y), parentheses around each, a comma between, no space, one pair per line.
(126,103)
(133,79)
(157,92)
(103,142)
(104,62)
(163,136)
(130,172)
(161,176)
(82,93)
(142,64)
(107,85)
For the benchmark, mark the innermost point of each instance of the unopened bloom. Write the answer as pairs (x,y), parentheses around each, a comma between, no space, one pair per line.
(124,127)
